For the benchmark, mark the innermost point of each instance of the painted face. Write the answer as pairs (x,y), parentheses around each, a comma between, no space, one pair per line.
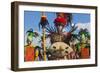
(61,49)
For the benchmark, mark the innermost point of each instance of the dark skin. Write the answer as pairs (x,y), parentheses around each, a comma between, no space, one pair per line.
(43,22)
(40,53)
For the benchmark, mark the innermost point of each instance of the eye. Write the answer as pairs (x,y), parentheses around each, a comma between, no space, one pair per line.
(54,47)
(66,51)
(66,48)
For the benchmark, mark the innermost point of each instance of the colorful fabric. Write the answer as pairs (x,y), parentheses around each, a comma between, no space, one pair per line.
(60,21)
(29,53)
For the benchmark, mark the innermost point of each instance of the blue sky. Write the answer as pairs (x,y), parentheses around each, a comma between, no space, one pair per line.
(32,18)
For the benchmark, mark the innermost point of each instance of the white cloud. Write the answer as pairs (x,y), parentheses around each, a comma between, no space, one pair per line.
(83,25)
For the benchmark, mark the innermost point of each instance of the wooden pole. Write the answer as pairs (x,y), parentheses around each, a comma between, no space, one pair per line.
(44,40)
(44,44)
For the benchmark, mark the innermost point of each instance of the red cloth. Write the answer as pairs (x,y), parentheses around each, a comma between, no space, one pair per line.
(85,53)
(60,20)
(29,53)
